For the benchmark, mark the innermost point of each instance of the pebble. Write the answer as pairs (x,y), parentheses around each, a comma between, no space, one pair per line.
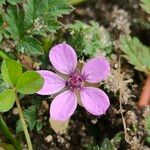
(48,139)
(15,111)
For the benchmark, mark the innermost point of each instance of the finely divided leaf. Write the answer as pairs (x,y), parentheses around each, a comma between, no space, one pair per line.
(89,39)
(59,7)
(30,115)
(41,15)
(136,53)
(2,2)
(15,20)
(34,9)
(30,45)
(14,2)
(146,5)
(33,18)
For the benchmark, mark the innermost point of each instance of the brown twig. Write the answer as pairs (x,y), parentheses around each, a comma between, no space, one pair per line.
(145,96)
(121,109)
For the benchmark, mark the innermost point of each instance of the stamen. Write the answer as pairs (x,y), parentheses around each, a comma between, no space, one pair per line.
(75,81)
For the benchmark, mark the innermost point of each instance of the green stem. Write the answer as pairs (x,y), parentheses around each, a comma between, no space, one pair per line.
(27,136)
(76,2)
(5,130)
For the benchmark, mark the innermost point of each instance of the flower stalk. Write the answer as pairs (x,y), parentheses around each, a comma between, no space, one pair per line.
(145,96)
(27,136)
(5,130)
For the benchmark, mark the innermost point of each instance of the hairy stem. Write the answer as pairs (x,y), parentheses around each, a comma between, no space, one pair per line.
(5,130)
(145,96)
(27,136)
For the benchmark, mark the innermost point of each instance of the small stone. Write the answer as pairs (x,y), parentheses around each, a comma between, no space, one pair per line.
(48,139)
(45,104)
(15,111)
(60,139)
(83,128)
(116,65)
(94,121)
(36,66)
(67,145)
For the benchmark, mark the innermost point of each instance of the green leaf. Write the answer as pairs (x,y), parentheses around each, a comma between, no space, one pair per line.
(7,99)
(3,55)
(59,7)
(33,9)
(146,5)
(136,53)
(2,84)
(14,2)
(106,145)
(30,45)
(1,37)
(15,20)
(29,82)
(116,140)
(30,115)
(147,128)
(89,39)
(1,20)
(39,126)
(41,15)
(4,146)
(2,2)
(10,71)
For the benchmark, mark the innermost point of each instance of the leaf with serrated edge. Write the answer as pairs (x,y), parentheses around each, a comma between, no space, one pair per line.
(136,53)
(145,5)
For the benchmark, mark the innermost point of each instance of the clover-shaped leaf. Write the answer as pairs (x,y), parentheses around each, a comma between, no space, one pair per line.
(10,71)
(29,82)
(7,99)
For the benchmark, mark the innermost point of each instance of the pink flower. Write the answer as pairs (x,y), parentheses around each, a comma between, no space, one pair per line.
(64,60)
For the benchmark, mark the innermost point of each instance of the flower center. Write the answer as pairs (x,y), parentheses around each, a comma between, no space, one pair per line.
(75,81)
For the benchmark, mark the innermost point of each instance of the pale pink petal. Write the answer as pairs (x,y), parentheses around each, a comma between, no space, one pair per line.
(63,106)
(52,83)
(94,100)
(96,69)
(63,58)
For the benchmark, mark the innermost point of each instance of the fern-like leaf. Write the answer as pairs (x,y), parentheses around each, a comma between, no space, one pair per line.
(136,53)
(146,5)
(31,118)
(15,20)
(89,39)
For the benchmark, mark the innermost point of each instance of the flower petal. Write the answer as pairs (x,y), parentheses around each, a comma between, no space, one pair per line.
(94,100)
(63,58)
(60,127)
(63,106)
(52,83)
(96,69)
